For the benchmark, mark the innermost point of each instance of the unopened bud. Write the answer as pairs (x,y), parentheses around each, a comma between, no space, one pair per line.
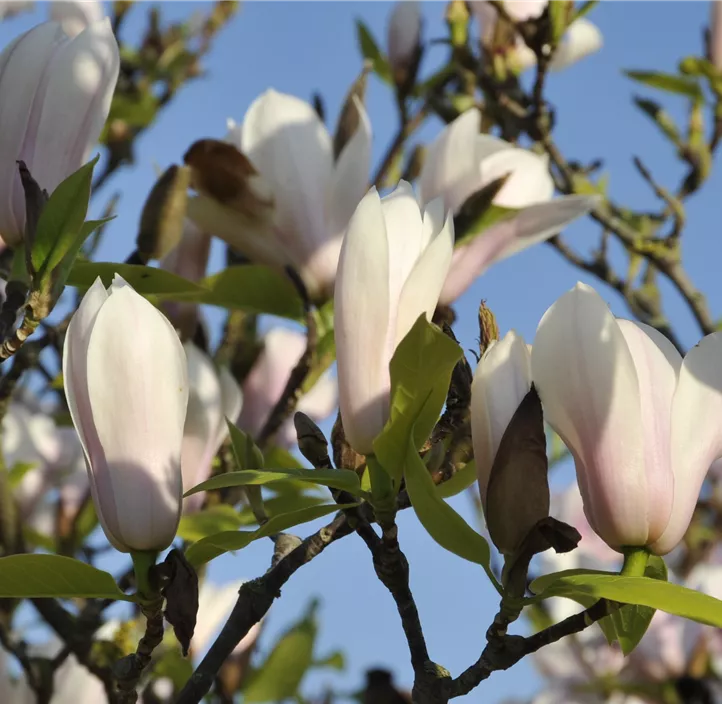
(161,222)
(349,118)
(35,200)
(457,17)
(311,441)
(344,456)
(223,173)
(488,328)
(404,42)
(415,163)
(715,35)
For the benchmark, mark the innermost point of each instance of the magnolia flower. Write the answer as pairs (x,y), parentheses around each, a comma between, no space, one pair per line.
(393,264)
(501,381)
(460,162)
(581,38)
(76,15)
(282,348)
(640,422)
(126,382)
(73,683)
(213,397)
(190,261)
(404,35)
(56,95)
(313,197)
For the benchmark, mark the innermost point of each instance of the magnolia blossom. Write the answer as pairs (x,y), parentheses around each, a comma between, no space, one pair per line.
(264,385)
(126,382)
(75,15)
(313,196)
(501,381)
(640,422)
(393,264)
(404,34)
(581,38)
(56,96)
(462,161)
(189,260)
(213,397)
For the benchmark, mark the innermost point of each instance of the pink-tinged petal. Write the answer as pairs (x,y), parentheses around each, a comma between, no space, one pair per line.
(83,75)
(75,15)
(138,393)
(252,239)
(528,182)
(231,401)
(666,648)
(486,18)
(24,74)
(532,225)
(362,323)
(289,145)
(215,602)
(715,29)
(203,420)
(73,683)
(581,39)
(657,368)
(421,290)
(501,381)
(282,348)
(404,33)
(696,433)
(588,384)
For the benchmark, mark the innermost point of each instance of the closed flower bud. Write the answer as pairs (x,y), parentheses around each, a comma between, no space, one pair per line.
(313,195)
(393,263)
(126,382)
(76,15)
(56,96)
(715,34)
(213,397)
(404,39)
(641,422)
(512,475)
(461,162)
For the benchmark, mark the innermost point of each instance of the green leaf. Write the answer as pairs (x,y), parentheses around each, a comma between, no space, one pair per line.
(209,521)
(280,457)
(661,118)
(335,660)
(370,50)
(38,576)
(629,623)
(441,522)
(254,288)
(146,280)
(643,591)
(462,480)
(247,453)
(344,479)
(420,375)
(18,471)
(279,505)
(61,220)
(280,676)
(214,545)
(669,83)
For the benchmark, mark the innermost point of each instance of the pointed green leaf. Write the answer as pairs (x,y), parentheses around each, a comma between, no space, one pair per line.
(643,591)
(669,83)
(209,521)
(336,478)
(61,220)
(146,280)
(214,545)
(39,576)
(279,677)
(370,50)
(247,453)
(420,376)
(441,522)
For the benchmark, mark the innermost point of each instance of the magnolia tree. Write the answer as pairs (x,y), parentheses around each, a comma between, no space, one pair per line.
(159,452)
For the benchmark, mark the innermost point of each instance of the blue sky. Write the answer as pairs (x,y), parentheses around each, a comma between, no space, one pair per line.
(302,47)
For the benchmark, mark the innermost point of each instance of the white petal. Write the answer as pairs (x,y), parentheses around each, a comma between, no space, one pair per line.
(588,384)
(362,323)
(215,602)
(522,10)
(532,225)
(421,290)
(76,15)
(138,390)
(321,400)
(696,433)
(289,145)
(582,38)
(528,182)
